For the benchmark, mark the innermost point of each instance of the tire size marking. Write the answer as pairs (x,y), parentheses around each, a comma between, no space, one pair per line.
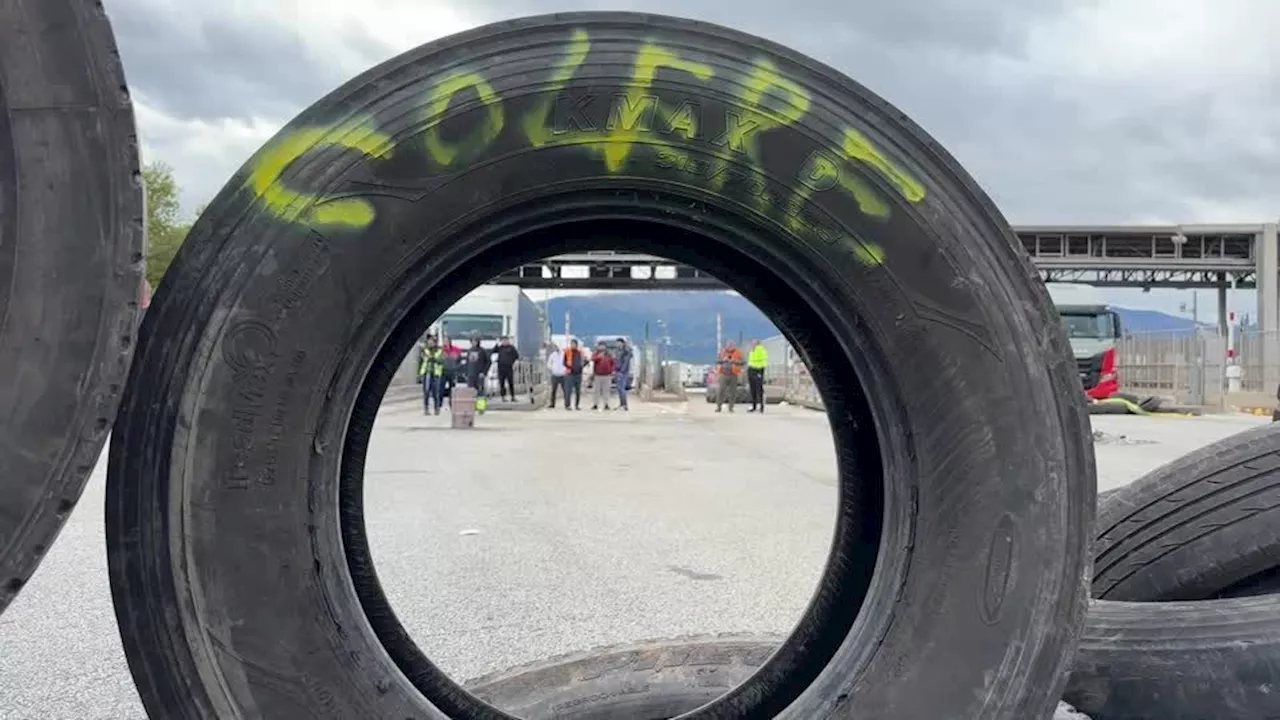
(249,348)
(636,118)
(560,707)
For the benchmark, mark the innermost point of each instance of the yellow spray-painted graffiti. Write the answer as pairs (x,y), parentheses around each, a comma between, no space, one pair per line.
(437,106)
(858,147)
(767,100)
(537,123)
(764,77)
(634,113)
(742,129)
(293,205)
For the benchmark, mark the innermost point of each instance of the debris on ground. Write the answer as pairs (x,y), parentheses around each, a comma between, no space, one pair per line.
(1104,438)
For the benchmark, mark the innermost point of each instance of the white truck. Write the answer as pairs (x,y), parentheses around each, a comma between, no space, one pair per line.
(1093,328)
(491,312)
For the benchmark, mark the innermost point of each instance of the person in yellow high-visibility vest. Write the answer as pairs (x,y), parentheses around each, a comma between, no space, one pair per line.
(757,361)
(431,375)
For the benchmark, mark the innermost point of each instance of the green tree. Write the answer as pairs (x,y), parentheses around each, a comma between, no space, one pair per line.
(165,227)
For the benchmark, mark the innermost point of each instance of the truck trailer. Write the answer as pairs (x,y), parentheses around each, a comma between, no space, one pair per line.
(491,312)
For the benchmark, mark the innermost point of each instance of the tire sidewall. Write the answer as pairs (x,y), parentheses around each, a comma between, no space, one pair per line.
(252,363)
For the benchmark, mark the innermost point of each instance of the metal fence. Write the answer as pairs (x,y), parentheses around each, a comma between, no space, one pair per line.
(650,377)
(673,379)
(530,378)
(1258,355)
(1187,367)
(1196,368)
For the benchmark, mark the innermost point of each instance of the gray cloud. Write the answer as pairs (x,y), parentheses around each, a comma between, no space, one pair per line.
(194,64)
(979,25)
(1049,143)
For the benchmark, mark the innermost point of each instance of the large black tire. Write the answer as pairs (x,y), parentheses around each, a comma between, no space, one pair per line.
(1204,525)
(71,264)
(1200,660)
(967,495)
(647,679)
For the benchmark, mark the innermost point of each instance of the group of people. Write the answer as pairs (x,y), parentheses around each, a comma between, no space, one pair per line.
(728,369)
(610,369)
(442,366)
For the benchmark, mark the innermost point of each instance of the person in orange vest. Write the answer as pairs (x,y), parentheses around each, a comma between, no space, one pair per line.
(574,361)
(729,366)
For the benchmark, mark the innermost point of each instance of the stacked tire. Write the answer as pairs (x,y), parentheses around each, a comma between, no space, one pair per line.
(1187,625)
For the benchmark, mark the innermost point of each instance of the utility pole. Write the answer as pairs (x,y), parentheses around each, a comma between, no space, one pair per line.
(546,315)
(567,331)
(719,343)
(1195,309)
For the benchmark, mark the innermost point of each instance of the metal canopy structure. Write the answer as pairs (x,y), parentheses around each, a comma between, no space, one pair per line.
(1120,256)
(1221,257)
(1184,256)
(608,271)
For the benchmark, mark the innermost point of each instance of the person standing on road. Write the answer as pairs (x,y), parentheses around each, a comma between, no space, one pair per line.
(601,375)
(729,366)
(452,367)
(478,362)
(555,365)
(757,361)
(507,357)
(622,371)
(574,361)
(431,375)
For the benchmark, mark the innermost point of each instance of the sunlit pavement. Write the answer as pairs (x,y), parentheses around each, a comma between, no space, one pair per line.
(538,533)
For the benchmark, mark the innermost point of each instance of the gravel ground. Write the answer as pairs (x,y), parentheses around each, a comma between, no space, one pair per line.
(539,534)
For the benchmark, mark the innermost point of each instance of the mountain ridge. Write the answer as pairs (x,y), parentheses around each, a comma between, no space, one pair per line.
(688,319)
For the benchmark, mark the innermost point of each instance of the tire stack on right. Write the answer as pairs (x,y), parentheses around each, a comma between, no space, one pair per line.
(1186,624)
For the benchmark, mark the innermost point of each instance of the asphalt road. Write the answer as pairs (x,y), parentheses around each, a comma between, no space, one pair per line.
(537,534)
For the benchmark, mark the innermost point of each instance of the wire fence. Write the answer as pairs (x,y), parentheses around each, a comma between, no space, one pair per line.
(1202,368)
(1188,368)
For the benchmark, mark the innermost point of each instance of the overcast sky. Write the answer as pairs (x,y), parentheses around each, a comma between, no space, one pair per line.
(1066,111)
